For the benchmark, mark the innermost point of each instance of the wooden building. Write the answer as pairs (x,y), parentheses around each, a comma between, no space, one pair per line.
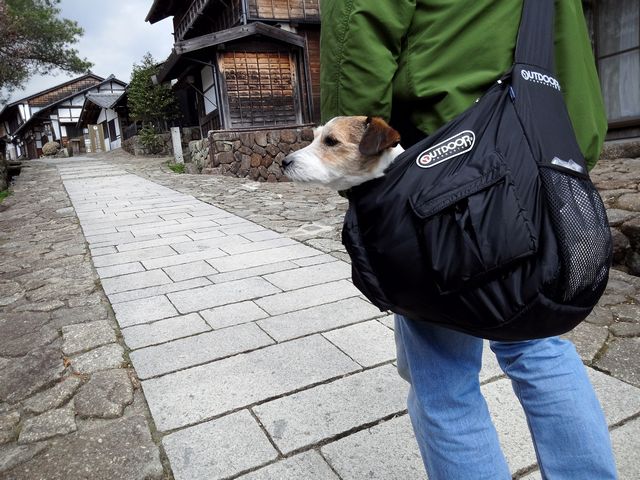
(52,114)
(17,116)
(104,116)
(244,64)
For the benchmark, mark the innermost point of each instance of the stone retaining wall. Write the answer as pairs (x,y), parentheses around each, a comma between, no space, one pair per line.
(198,155)
(617,177)
(256,154)
(134,144)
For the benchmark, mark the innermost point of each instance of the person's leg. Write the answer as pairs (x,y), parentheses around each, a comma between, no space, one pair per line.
(449,415)
(567,425)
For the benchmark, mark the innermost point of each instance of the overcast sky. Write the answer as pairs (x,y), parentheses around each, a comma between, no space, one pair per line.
(115,37)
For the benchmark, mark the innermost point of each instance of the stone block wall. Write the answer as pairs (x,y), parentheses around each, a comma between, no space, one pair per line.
(134,144)
(256,154)
(617,178)
(198,155)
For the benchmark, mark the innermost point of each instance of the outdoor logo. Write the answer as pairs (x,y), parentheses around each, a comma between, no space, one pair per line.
(451,147)
(531,76)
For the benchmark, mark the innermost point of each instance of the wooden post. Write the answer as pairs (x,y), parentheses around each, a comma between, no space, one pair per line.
(176,140)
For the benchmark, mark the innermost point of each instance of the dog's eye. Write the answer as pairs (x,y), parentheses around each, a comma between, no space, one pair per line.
(331,141)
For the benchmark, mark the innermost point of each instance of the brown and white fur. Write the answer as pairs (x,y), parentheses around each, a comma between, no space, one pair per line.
(345,152)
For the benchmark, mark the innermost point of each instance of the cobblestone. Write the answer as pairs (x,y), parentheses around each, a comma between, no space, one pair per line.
(85,336)
(105,395)
(47,285)
(54,397)
(101,358)
(47,425)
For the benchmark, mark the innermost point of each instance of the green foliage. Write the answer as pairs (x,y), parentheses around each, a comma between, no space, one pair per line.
(4,194)
(34,40)
(151,104)
(177,167)
(149,140)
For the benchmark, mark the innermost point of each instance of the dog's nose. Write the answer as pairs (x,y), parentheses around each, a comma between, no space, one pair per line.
(287,161)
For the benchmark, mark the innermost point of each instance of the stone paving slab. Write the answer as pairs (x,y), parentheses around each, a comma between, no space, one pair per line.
(318,319)
(308,297)
(133,256)
(122,269)
(312,275)
(369,343)
(215,295)
(625,444)
(188,396)
(135,281)
(258,259)
(158,290)
(234,314)
(387,451)
(239,443)
(323,412)
(144,310)
(186,271)
(181,259)
(309,465)
(164,330)
(197,349)
(254,271)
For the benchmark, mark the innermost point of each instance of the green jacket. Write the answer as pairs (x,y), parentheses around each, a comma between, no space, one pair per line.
(431,59)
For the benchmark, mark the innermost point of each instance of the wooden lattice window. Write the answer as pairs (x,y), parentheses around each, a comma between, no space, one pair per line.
(261,88)
(285,9)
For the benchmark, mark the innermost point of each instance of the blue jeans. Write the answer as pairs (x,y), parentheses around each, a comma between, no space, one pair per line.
(451,421)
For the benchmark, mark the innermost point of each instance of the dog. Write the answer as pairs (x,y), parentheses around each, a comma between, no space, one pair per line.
(345,152)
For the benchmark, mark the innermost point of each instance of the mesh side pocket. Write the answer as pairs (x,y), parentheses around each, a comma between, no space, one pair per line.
(582,231)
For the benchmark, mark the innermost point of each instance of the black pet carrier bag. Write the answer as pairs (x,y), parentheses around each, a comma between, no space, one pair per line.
(491,225)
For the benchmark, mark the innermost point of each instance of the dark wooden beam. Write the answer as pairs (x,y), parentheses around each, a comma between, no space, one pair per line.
(237,33)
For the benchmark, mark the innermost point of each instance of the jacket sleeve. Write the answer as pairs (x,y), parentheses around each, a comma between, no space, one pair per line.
(576,70)
(360,42)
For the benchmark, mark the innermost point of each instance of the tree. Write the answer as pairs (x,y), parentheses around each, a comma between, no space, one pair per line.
(34,40)
(150,103)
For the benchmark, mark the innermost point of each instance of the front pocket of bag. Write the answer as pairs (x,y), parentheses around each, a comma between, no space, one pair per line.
(474,230)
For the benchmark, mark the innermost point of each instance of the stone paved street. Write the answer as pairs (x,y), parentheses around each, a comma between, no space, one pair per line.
(230,304)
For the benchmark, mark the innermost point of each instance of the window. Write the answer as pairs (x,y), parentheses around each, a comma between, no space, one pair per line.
(112,130)
(261,88)
(210,99)
(73,131)
(618,55)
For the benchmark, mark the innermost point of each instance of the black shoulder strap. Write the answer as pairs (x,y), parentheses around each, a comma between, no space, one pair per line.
(535,36)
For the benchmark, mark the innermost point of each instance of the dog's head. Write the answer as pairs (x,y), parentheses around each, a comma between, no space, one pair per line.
(345,152)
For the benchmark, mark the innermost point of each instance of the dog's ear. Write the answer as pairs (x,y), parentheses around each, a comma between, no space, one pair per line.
(377,137)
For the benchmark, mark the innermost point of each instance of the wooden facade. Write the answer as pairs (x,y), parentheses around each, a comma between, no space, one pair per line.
(287,10)
(65,90)
(253,63)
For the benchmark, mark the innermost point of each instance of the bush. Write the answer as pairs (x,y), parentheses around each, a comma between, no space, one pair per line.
(177,167)
(50,148)
(149,140)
